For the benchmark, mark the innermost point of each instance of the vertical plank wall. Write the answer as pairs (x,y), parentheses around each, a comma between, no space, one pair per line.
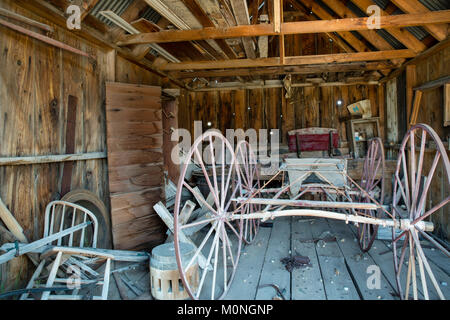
(432,113)
(269,109)
(35,82)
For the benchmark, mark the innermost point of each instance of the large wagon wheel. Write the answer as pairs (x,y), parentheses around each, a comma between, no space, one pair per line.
(221,246)
(246,168)
(411,190)
(372,182)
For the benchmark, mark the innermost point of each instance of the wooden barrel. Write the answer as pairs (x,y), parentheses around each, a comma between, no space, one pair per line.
(165,281)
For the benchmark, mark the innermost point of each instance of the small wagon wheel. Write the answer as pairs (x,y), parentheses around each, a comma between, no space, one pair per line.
(221,247)
(411,191)
(372,182)
(246,168)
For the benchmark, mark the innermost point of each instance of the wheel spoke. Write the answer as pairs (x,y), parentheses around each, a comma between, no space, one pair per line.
(432,210)
(208,261)
(422,276)
(437,244)
(198,223)
(227,240)
(427,267)
(224,194)
(428,181)
(216,257)
(232,228)
(224,254)
(200,247)
(208,181)
(419,174)
(405,176)
(213,162)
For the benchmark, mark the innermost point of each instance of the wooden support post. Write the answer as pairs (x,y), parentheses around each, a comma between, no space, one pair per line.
(282,48)
(277,14)
(415,108)
(411,79)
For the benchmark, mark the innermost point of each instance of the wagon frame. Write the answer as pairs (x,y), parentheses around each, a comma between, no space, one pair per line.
(239,205)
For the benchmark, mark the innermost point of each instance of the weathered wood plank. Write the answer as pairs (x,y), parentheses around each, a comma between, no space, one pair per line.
(307,283)
(337,281)
(247,278)
(273,271)
(135,163)
(359,264)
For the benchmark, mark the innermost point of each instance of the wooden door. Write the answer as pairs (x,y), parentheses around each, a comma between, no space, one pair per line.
(135,164)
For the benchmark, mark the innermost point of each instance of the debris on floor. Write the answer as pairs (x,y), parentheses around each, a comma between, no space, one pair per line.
(280,293)
(296,262)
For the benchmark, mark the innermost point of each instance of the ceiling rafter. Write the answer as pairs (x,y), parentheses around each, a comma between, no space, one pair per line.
(370,35)
(322,14)
(178,22)
(402,35)
(203,18)
(440,32)
(240,11)
(336,39)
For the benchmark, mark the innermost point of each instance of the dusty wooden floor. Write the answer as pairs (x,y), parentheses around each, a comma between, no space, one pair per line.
(338,271)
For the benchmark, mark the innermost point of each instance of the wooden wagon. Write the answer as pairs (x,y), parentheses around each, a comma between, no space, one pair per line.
(241,201)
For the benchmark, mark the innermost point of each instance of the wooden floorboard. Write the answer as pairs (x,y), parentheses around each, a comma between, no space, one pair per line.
(307,283)
(273,271)
(338,271)
(361,265)
(246,280)
(336,278)
(382,253)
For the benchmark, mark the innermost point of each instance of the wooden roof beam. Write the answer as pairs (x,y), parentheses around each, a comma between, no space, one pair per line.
(311,69)
(299,27)
(291,61)
(440,32)
(280,84)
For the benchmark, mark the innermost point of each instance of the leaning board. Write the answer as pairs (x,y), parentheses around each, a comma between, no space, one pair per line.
(135,164)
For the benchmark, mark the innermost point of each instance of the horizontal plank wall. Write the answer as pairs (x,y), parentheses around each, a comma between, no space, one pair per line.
(35,82)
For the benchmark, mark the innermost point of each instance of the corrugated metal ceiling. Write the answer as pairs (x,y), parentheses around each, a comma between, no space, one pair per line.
(119,7)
